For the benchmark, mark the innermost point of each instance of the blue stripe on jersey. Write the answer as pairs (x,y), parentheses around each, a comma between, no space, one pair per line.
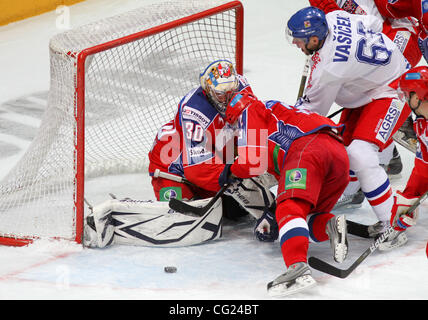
(378,191)
(295,232)
(196,99)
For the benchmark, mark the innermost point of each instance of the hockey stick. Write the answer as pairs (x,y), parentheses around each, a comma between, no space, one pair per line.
(304,77)
(303,85)
(183,207)
(358,229)
(335,113)
(172,177)
(325,267)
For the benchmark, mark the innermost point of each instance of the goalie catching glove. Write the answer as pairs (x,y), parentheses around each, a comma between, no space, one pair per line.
(400,218)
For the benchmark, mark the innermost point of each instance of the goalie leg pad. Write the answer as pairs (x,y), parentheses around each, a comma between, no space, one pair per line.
(98,230)
(153,223)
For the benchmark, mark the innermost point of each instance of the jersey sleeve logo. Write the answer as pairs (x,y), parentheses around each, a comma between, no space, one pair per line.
(295,179)
(285,135)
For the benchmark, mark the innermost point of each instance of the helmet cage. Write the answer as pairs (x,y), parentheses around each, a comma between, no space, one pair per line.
(219,98)
(220,83)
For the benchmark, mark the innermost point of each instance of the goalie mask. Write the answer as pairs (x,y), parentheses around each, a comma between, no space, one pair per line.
(220,83)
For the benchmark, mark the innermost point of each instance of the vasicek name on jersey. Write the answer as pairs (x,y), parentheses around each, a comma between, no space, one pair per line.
(342,35)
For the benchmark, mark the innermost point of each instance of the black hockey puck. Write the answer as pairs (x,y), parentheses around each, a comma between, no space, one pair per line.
(170,269)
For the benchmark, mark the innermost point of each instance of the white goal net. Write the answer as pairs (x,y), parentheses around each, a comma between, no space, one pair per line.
(113,84)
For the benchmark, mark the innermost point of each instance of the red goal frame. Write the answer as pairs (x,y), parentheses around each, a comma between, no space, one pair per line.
(79,101)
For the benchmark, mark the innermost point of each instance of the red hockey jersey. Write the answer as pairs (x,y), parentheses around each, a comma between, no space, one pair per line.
(266,131)
(418,180)
(194,145)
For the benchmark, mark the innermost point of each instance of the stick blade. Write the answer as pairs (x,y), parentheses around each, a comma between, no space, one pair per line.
(358,229)
(325,267)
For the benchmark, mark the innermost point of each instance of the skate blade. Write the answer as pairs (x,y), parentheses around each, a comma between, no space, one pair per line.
(341,248)
(346,207)
(341,251)
(285,289)
(395,243)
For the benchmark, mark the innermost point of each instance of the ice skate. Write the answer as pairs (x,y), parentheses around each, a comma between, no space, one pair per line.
(406,136)
(338,234)
(295,279)
(351,201)
(395,239)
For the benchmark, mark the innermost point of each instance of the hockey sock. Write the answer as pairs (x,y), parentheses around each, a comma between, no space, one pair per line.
(293,230)
(364,161)
(353,186)
(380,198)
(317,226)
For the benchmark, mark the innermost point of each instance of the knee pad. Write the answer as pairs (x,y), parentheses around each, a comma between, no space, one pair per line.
(362,155)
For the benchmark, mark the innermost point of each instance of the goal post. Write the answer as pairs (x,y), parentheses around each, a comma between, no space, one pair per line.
(114,82)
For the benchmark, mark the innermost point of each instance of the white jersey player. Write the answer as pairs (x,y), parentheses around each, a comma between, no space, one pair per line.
(404,33)
(353,65)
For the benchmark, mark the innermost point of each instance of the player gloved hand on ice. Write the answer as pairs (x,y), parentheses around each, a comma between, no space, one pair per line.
(266,229)
(400,218)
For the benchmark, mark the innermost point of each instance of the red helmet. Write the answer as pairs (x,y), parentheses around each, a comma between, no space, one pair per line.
(415,80)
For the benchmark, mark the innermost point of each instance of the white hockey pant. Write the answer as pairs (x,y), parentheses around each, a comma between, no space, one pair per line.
(364,161)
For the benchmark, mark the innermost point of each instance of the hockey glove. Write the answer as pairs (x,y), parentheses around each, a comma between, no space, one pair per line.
(266,229)
(400,218)
(239,102)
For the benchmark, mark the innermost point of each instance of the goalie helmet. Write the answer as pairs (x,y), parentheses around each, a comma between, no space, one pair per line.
(220,83)
(414,80)
(307,22)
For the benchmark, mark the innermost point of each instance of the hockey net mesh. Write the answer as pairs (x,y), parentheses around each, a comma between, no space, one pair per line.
(130,91)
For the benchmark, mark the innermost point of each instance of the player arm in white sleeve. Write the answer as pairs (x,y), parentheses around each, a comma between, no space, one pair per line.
(320,93)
